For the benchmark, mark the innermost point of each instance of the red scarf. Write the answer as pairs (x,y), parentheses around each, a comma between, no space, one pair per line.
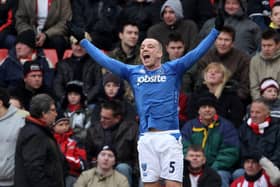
(259,128)
(36,121)
(73,108)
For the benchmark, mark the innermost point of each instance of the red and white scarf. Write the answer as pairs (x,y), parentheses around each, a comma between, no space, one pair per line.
(258,128)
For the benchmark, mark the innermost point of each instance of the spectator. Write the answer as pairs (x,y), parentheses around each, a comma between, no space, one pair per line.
(32,84)
(140,11)
(75,156)
(260,132)
(247,32)
(10,124)
(269,91)
(78,67)
(266,62)
(114,130)
(258,171)
(236,61)
(38,159)
(7,23)
(112,88)
(104,174)
(11,70)
(172,15)
(216,82)
(48,20)
(74,106)
(99,18)
(275,11)
(196,173)
(216,135)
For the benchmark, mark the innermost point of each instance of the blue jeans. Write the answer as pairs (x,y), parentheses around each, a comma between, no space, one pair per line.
(225,176)
(126,170)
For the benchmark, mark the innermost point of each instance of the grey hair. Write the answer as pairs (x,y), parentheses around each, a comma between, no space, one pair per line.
(40,104)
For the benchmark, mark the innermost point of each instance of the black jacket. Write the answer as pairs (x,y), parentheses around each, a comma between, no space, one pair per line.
(90,76)
(267,144)
(208,178)
(123,137)
(38,159)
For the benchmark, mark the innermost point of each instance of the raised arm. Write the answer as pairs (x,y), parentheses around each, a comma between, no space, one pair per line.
(111,64)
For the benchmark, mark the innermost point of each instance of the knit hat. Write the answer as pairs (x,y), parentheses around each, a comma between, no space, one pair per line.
(176,6)
(268,83)
(208,99)
(108,148)
(110,77)
(60,118)
(27,37)
(30,66)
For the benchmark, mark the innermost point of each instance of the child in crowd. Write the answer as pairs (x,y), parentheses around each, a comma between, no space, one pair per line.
(269,90)
(75,156)
(75,108)
(113,88)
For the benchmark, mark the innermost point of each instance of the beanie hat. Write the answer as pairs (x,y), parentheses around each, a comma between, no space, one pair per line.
(268,83)
(176,6)
(60,117)
(110,77)
(27,37)
(30,66)
(108,148)
(208,99)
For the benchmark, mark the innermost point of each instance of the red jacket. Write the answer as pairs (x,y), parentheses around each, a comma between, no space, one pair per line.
(74,155)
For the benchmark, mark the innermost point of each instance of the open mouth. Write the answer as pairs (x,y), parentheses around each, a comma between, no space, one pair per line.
(145,57)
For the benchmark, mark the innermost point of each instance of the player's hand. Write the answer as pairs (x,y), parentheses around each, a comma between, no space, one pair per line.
(219,21)
(75,31)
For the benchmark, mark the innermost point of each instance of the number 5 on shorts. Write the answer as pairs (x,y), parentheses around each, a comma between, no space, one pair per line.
(172,168)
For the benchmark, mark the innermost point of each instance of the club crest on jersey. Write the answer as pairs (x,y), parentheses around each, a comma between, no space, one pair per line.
(151,79)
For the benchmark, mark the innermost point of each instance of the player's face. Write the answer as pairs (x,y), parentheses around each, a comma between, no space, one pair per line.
(151,53)
(214,76)
(275,15)
(269,47)
(175,49)
(106,160)
(252,167)
(258,112)
(169,16)
(270,93)
(111,89)
(224,43)
(129,36)
(73,98)
(206,113)
(232,6)
(196,159)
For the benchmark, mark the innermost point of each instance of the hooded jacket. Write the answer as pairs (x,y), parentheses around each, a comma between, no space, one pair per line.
(248,33)
(187,28)
(10,125)
(262,67)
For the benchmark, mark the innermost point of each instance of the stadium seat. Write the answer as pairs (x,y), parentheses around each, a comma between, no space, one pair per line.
(51,55)
(3,54)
